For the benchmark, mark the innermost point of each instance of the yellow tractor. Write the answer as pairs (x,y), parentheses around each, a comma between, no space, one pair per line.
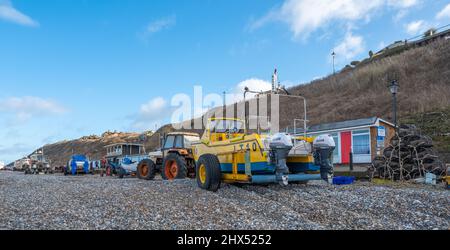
(226,153)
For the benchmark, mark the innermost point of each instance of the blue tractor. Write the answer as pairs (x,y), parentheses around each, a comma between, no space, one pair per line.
(78,164)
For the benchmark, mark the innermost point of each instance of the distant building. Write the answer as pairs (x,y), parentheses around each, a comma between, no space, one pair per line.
(365,138)
(445,34)
(118,151)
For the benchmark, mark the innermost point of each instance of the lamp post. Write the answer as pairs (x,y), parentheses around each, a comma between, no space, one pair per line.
(393,87)
(224,98)
(334,69)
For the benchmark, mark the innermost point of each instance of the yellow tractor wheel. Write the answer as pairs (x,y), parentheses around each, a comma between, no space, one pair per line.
(208,172)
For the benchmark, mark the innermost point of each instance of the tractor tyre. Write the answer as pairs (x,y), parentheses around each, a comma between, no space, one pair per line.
(208,172)
(146,170)
(120,173)
(174,167)
(108,171)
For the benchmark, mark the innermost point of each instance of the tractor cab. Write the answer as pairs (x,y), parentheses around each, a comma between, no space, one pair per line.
(223,129)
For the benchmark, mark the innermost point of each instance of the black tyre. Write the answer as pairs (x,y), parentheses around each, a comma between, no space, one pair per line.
(174,167)
(146,170)
(120,173)
(108,171)
(66,170)
(208,172)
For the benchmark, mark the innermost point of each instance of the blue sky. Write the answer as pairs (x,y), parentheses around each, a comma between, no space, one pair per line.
(78,67)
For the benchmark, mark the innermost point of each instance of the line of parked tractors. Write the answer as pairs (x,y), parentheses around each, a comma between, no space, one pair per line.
(225,153)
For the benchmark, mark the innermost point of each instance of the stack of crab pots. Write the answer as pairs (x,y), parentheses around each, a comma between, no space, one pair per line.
(410,155)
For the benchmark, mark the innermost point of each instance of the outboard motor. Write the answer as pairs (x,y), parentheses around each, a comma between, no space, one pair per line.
(280,145)
(323,147)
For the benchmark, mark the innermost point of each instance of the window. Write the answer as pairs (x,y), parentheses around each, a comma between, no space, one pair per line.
(336,158)
(179,142)
(169,141)
(336,151)
(227,126)
(361,142)
(188,139)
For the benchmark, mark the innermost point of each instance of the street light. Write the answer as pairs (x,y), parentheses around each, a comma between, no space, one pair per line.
(224,98)
(393,87)
(334,55)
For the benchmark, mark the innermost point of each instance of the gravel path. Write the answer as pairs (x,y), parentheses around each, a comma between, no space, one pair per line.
(93,202)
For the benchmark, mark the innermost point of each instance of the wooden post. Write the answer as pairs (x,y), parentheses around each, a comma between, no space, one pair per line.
(351,161)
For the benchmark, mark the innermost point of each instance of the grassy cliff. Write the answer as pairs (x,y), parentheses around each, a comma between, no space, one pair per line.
(424,100)
(423,74)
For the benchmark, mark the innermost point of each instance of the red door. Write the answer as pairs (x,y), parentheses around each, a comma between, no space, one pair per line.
(346,146)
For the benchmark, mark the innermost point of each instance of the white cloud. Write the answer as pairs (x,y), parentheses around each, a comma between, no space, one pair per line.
(403,3)
(24,108)
(156,26)
(404,7)
(306,16)
(9,13)
(416,27)
(150,114)
(400,15)
(153,107)
(253,84)
(444,13)
(161,24)
(349,48)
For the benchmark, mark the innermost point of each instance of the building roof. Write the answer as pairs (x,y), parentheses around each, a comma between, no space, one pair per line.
(343,124)
(183,133)
(364,122)
(124,144)
(433,36)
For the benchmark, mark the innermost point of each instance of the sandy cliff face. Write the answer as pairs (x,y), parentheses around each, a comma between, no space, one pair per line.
(93,146)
